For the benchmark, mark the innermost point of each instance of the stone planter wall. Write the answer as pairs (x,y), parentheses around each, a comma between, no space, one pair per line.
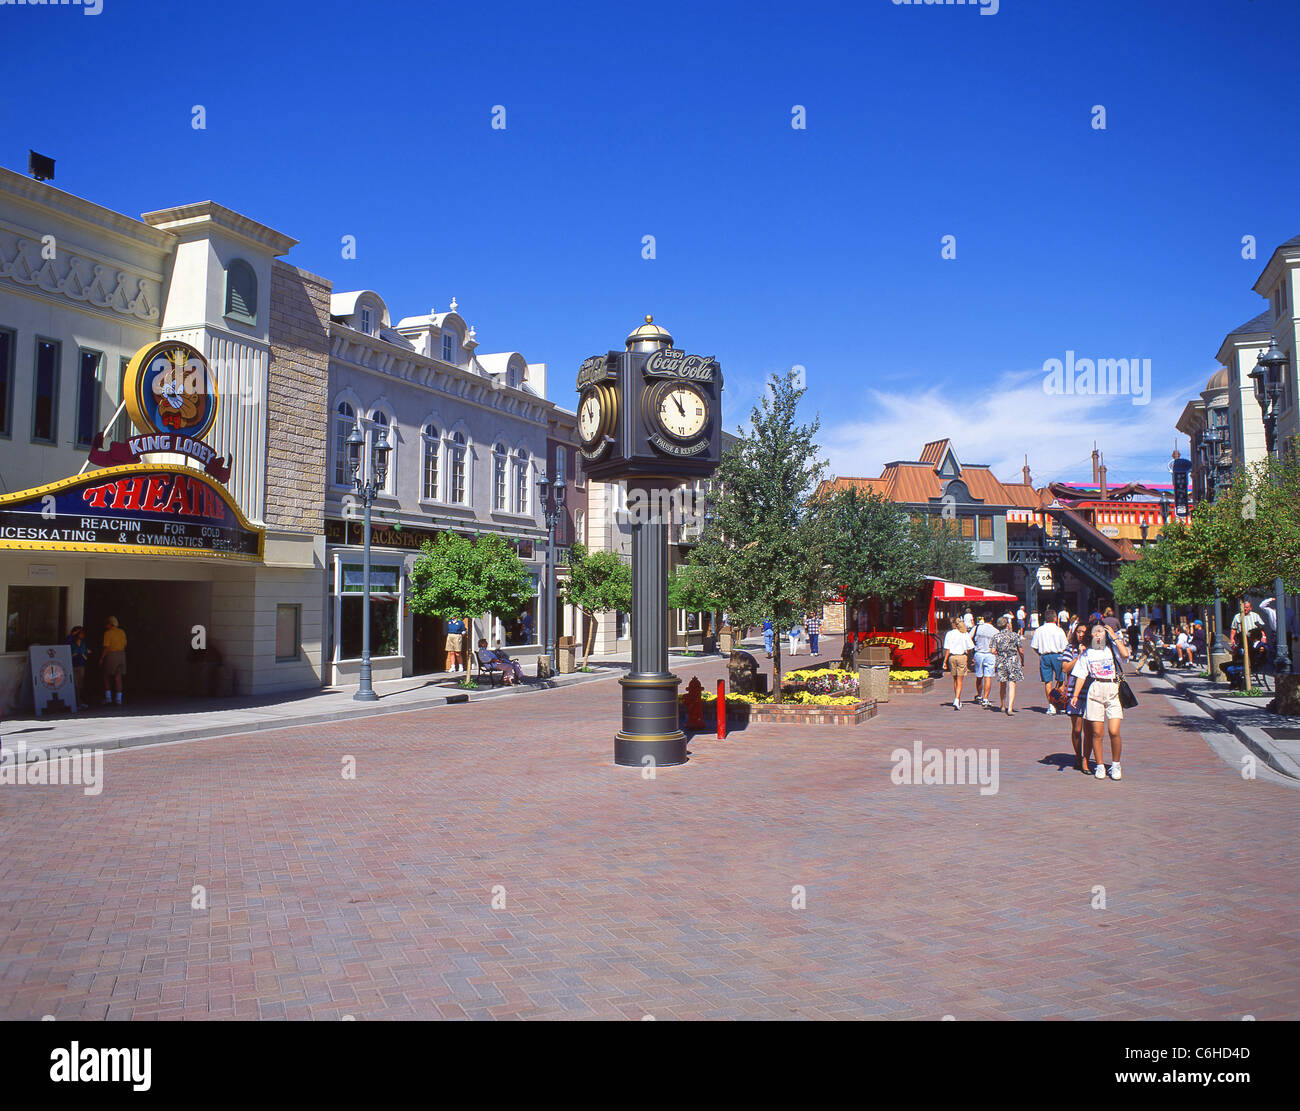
(910,686)
(805,715)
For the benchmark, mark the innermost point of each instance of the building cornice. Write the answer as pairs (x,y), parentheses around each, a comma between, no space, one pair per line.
(196,219)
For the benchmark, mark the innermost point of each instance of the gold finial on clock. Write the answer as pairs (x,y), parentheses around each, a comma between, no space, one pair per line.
(649,319)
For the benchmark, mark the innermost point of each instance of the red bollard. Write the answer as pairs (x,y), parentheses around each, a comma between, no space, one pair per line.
(722,709)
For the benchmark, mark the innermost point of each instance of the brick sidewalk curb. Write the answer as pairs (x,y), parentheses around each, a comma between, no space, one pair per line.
(1254,738)
(362,710)
(451,696)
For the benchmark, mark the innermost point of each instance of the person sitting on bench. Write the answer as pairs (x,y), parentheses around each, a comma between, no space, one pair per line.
(498,661)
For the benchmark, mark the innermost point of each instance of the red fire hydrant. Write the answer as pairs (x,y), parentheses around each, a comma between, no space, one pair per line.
(693,700)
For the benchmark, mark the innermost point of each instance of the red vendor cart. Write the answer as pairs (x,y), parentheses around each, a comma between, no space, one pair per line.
(914,627)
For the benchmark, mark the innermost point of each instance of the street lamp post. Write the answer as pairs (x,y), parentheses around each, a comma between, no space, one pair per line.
(1164,519)
(1268,374)
(1213,450)
(552,507)
(367,489)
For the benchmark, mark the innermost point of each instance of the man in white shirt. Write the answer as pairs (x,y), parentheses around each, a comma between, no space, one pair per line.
(1253,622)
(1020,620)
(1049,642)
(956,645)
(1128,619)
(985,661)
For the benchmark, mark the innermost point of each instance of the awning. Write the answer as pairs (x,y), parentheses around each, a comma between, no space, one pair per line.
(960,592)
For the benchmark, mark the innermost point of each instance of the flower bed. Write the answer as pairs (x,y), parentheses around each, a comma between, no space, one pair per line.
(797,707)
(834,681)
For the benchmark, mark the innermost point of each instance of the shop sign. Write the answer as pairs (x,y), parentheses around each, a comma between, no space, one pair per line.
(1045,576)
(172,398)
(141,509)
(404,538)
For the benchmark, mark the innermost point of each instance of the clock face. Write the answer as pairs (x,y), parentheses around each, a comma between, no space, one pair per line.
(589,418)
(683,412)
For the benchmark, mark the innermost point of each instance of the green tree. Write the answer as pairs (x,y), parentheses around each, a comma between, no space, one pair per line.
(873,550)
(459,576)
(946,554)
(688,589)
(598,581)
(1252,529)
(764,554)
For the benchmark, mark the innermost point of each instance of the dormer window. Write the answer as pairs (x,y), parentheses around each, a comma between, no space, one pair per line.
(241,292)
(365,319)
(512,378)
(449,347)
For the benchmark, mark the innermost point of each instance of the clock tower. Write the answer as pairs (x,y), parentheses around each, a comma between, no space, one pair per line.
(650,415)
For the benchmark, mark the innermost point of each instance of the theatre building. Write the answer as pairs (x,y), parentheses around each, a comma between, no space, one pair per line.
(162,401)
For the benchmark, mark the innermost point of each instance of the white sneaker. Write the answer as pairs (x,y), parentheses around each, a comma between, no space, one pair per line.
(956,704)
(1100,771)
(1115,772)
(1051,709)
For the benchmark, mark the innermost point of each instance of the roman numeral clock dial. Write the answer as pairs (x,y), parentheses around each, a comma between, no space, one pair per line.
(682,412)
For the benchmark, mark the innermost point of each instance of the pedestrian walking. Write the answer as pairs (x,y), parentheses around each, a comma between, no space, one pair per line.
(957,646)
(793,634)
(112,660)
(1100,694)
(76,642)
(1050,642)
(813,624)
(1010,664)
(1078,641)
(1020,620)
(985,660)
(968,619)
(769,633)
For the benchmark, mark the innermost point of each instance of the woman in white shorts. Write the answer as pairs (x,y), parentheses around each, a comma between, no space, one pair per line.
(1101,663)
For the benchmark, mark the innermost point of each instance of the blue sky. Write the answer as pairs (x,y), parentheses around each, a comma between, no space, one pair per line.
(775,247)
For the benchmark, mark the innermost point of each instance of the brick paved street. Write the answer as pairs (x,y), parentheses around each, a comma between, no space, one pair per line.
(671,897)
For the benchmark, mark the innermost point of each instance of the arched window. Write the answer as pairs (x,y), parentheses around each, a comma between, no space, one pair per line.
(449,346)
(383,423)
(521,481)
(432,446)
(241,292)
(499,477)
(456,464)
(345,419)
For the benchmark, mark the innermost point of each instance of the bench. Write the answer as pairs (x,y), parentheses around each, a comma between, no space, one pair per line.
(492,673)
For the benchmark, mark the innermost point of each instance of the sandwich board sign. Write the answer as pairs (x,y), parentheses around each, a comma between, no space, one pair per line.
(52,678)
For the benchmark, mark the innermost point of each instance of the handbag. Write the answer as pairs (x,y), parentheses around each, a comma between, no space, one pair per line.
(1127,699)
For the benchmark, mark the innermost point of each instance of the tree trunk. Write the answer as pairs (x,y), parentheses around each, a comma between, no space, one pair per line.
(776,666)
(591,636)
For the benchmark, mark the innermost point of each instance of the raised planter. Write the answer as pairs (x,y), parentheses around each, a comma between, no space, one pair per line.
(910,686)
(855,714)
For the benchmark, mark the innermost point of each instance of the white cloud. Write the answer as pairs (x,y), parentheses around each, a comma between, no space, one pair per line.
(998,420)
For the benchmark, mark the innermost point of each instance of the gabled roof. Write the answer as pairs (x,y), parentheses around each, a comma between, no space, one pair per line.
(934,451)
(918,482)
